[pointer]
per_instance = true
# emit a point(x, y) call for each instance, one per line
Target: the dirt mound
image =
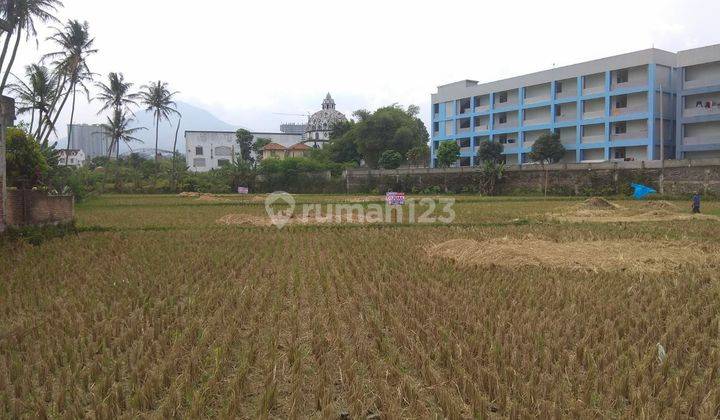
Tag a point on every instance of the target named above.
point(660, 205)
point(617, 255)
point(243, 219)
point(598, 203)
point(212, 198)
point(189, 194)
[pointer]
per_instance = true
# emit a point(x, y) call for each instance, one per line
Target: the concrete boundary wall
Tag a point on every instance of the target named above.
point(680, 177)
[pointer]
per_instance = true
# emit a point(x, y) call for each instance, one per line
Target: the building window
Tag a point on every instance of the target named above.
point(464, 142)
point(619, 153)
point(199, 162)
point(199, 151)
point(464, 123)
point(558, 110)
point(464, 105)
point(436, 108)
point(223, 151)
point(558, 87)
point(223, 162)
point(502, 118)
point(502, 97)
point(621, 102)
point(622, 76)
point(620, 127)
point(436, 127)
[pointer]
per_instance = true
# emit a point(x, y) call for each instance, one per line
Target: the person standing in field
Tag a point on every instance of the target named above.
point(696, 203)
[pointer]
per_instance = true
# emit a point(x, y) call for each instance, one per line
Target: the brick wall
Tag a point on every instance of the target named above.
point(681, 177)
point(28, 207)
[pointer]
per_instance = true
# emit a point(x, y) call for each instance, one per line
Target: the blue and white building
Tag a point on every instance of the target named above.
point(615, 108)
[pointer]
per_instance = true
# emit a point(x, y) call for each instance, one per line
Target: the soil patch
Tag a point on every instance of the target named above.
point(598, 203)
point(212, 198)
point(617, 255)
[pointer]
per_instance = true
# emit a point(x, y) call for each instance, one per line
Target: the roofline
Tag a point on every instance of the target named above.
point(647, 56)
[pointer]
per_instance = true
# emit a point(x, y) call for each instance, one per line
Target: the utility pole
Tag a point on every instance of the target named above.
point(662, 143)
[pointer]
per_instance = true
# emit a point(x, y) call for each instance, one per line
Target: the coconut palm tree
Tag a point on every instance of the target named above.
point(35, 95)
point(159, 100)
point(20, 16)
point(72, 69)
point(118, 129)
point(116, 94)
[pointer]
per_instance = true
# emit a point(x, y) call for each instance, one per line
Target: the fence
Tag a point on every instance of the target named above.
point(30, 207)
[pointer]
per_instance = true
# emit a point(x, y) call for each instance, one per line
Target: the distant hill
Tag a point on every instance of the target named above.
point(193, 118)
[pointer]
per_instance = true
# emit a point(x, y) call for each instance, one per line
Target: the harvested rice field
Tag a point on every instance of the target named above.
point(192, 307)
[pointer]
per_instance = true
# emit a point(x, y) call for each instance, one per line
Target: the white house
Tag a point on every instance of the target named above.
point(76, 157)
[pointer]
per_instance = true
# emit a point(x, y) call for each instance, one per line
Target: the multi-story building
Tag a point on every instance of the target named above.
point(92, 139)
point(612, 108)
point(698, 104)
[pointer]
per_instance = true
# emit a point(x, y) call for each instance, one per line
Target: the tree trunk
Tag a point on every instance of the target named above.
point(546, 179)
point(12, 60)
point(174, 162)
point(157, 126)
point(72, 116)
point(50, 126)
point(48, 114)
point(32, 121)
point(6, 44)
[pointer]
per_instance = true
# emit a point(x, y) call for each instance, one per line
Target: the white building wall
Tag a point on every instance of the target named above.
point(213, 142)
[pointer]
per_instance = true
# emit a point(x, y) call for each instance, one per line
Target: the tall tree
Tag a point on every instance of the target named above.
point(71, 66)
point(159, 100)
point(116, 94)
point(547, 149)
point(118, 128)
point(20, 16)
point(447, 153)
point(35, 95)
point(244, 140)
point(490, 151)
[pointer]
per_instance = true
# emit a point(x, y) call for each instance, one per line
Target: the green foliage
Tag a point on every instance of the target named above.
point(547, 149)
point(490, 151)
point(258, 145)
point(244, 140)
point(27, 163)
point(447, 153)
point(390, 159)
point(418, 155)
point(388, 128)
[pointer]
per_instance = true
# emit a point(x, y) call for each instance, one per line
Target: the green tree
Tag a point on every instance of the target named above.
point(116, 94)
point(118, 129)
point(447, 153)
point(159, 100)
point(71, 65)
point(418, 155)
point(36, 95)
point(342, 147)
point(26, 163)
point(490, 151)
point(547, 149)
point(244, 140)
point(21, 16)
point(390, 159)
point(389, 127)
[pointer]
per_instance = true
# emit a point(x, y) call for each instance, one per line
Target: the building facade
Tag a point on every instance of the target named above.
point(72, 157)
point(278, 151)
point(91, 139)
point(615, 108)
point(207, 150)
point(698, 103)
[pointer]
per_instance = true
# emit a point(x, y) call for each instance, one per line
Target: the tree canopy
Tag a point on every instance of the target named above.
point(390, 159)
point(388, 128)
point(447, 153)
point(547, 149)
point(490, 151)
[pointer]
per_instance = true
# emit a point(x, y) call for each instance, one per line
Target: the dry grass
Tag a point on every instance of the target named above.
point(168, 315)
point(599, 210)
point(618, 255)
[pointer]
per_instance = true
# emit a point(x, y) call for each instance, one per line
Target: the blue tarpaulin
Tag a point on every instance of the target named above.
point(641, 191)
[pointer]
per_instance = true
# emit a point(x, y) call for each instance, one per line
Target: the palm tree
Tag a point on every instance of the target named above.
point(116, 93)
point(20, 16)
point(118, 128)
point(70, 61)
point(35, 95)
point(158, 99)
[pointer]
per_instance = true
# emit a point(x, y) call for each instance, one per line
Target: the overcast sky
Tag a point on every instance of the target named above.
point(244, 61)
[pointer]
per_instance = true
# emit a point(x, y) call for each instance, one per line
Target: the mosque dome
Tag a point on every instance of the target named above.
point(324, 119)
